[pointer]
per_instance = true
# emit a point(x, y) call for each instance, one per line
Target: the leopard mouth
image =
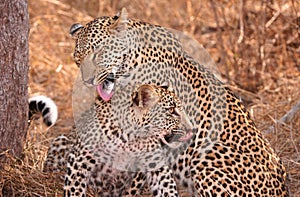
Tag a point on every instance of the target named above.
point(106, 89)
point(174, 140)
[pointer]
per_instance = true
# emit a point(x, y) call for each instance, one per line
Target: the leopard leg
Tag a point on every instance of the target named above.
point(79, 167)
point(137, 185)
point(58, 152)
point(162, 182)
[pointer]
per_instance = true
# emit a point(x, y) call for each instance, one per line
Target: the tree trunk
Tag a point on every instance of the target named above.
point(14, 29)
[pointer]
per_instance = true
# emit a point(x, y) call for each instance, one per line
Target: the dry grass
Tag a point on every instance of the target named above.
point(255, 45)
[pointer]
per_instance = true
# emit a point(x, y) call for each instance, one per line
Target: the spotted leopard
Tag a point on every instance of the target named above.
point(108, 160)
point(228, 156)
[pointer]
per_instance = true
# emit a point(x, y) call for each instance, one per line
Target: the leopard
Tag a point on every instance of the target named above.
point(160, 126)
point(227, 156)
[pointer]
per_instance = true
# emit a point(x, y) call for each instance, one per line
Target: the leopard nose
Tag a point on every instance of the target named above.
point(186, 121)
point(110, 77)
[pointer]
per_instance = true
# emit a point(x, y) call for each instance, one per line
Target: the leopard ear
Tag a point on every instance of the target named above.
point(146, 97)
point(75, 29)
point(121, 23)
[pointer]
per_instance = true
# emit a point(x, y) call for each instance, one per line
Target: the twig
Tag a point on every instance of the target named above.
point(276, 15)
point(241, 37)
point(286, 118)
point(219, 35)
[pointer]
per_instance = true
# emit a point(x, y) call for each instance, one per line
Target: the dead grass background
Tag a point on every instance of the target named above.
point(255, 45)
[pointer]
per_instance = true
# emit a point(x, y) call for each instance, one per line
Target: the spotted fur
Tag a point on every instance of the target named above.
point(228, 155)
point(109, 160)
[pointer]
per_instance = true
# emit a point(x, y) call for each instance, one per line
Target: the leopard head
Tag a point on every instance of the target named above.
point(101, 50)
point(160, 110)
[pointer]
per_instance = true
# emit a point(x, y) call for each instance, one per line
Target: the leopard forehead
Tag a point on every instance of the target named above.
point(89, 36)
point(160, 104)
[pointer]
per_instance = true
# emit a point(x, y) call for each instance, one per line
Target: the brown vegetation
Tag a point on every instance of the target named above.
point(255, 45)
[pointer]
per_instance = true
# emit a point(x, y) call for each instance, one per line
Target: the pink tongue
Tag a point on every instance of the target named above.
point(186, 137)
point(103, 94)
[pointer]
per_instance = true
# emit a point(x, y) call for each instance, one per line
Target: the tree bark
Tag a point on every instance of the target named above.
point(14, 29)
